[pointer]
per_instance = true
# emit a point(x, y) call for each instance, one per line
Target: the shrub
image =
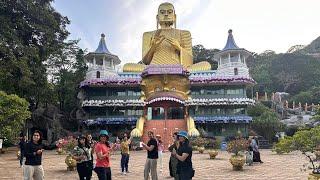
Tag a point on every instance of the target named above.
point(237, 145)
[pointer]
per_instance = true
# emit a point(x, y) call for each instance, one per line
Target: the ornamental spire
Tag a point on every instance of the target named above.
point(102, 48)
point(231, 44)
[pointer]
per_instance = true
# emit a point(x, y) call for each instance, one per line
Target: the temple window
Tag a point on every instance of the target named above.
point(98, 74)
point(234, 57)
point(235, 71)
point(108, 63)
point(175, 113)
point(99, 62)
point(155, 113)
point(122, 93)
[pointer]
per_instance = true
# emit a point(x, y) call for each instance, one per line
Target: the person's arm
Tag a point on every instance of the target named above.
point(183, 157)
point(130, 140)
point(99, 153)
point(171, 147)
point(148, 148)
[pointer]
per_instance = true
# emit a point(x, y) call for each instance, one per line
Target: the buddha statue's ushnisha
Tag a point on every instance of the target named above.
point(167, 45)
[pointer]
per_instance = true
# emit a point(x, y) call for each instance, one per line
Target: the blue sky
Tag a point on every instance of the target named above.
point(257, 25)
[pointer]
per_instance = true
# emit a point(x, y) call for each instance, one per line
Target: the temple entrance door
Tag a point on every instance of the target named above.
point(164, 118)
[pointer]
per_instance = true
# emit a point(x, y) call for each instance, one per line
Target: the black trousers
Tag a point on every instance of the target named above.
point(256, 156)
point(84, 170)
point(124, 162)
point(104, 173)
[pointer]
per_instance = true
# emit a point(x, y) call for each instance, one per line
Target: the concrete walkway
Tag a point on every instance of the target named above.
point(275, 167)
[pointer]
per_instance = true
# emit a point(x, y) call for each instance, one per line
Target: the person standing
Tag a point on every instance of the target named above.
point(173, 160)
point(103, 150)
point(22, 143)
point(184, 155)
point(125, 153)
point(151, 162)
point(160, 151)
point(33, 152)
point(82, 154)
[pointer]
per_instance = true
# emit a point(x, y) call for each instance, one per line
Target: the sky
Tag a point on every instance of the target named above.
point(257, 25)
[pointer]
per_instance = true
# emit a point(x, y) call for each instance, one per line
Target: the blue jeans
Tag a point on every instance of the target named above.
point(124, 162)
point(104, 173)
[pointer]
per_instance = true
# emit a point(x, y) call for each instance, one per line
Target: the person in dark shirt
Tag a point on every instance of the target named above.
point(151, 162)
point(33, 153)
point(22, 144)
point(184, 155)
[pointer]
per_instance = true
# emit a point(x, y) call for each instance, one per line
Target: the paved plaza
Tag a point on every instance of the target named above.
point(275, 167)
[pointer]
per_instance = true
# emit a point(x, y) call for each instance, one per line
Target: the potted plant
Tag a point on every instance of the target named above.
point(200, 143)
point(235, 147)
point(214, 151)
point(68, 146)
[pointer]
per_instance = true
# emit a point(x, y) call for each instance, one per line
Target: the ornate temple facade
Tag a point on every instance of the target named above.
point(166, 92)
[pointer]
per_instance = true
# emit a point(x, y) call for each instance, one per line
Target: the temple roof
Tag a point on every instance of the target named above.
point(102, 48)
point(231, 44)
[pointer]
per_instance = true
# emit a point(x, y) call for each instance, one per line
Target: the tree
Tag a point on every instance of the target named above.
point(265, 122)
point(31, 30)
point(68, 69)
point(202, 54)
point(13, 113)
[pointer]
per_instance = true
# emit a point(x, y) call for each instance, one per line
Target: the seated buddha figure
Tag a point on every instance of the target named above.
point(167, 45)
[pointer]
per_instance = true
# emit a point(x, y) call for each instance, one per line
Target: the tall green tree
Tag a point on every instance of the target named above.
point(30, 31)
point(13, 113)
point(68, 69)
point(265, 122)
point(200, 53)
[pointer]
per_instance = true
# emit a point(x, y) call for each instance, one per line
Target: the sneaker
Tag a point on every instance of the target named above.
point(124, 173)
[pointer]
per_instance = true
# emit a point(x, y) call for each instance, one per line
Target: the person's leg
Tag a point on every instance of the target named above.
point(127, 163)
point(258, 157)
point(27, 172)
point(160, 160)
point(89, 171)
point(153, 168)
point(21, 157)
point(81, 170)
point(101, 172)
point(108, 173)
point(147, 169)
point(38, 173)
point(174, 163)
point(170, 167)
point(122, 162)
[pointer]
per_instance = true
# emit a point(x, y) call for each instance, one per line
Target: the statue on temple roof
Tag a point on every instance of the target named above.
point(167, 45)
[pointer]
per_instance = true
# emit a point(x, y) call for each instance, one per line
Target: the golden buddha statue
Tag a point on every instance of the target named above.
point(167, 45)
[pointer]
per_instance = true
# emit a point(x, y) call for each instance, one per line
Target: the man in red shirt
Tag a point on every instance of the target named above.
point(102, 150)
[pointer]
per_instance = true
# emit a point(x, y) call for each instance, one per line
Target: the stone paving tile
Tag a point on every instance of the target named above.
point(275, 167)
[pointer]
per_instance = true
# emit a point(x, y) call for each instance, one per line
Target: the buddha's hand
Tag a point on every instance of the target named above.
point(156, 41)
point(175, 43)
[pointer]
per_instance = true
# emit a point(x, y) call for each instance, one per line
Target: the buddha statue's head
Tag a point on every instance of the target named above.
point(166, 15)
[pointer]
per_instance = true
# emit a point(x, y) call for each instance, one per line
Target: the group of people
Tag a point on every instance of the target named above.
point(180, 161)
